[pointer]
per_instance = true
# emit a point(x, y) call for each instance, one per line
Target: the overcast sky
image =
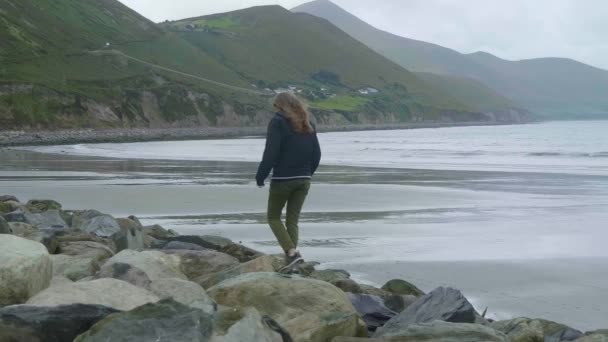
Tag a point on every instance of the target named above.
point(511, 29)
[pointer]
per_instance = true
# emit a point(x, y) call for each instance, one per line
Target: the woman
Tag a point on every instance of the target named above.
point(293, 153)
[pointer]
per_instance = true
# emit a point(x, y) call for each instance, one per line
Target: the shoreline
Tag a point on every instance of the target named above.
point(121, 135)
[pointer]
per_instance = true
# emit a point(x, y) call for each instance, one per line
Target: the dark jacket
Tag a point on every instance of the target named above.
point(288, 154)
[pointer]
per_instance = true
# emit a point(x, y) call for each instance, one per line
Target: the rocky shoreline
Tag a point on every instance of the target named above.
point(87, 276)
point(80, 136)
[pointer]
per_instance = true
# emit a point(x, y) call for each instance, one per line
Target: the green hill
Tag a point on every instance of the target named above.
point(97, 63)
point(550, 87)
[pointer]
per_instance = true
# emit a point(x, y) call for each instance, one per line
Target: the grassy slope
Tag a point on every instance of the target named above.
point(273, 45)
point(44, 42)
point(552, 87)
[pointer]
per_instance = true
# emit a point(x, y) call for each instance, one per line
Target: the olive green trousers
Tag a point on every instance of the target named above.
point(293, 194)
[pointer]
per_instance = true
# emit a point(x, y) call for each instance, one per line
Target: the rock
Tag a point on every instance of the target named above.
point(112, 293)
point(131, 235)
point(125, 272)
point(25, 269)
point(532, 330)
point(155, 264)
point(158, 232)
point(72, 267)
point(347, 285)
point(594, 337)
point(439, 331)
point(166, 321)
point(6, 198)
point(97, 251)
point(20, 229)
point(242, 253)
point(247, 325)
point(49, 324)
point(49, 219)
point(264, 263)
point(4, 227)
point(177, 245)
point(15, 216)
point(399, 303)
point(12, 206)
point(96, 223)
point(402, 287)
point(309, 309)
point(372, 309)
point(206, 241)
point(443, 304)
point(46, 237)
point(374, 291)
point(330, 275)
point(5, 208)
point(39, 206)
point(185, 292)
point(195, 264)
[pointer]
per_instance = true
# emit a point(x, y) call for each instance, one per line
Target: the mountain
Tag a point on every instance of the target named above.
point(97, 63)
point(550, 87)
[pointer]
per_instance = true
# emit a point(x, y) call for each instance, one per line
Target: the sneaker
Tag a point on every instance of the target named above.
point(292, 261)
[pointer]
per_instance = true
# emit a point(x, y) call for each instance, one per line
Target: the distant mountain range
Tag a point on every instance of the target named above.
point(550, 87)
point(97, 63)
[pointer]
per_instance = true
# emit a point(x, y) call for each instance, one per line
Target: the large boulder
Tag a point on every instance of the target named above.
point(73, 267)
point(199, 263)
point(47, 237)
point(39, 206)
point(185, 292)
point(330, 275)
point(4, 227)
point(178, 245)
point(372, 309)
point(166, 321)
point(125, 272)
point(220, 244)
point(155, 264)
point(108, 292)
point(443, 304)
point(49, 324)
point(7, 198)
point(532, 330)
point(309, 309)
point(25, 269)
point(158, 232)
point(439, 331)
point(266, 263)
point(594, 337)
point(402, 287)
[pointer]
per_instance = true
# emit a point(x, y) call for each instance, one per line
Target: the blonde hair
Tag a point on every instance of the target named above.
point(295, 110)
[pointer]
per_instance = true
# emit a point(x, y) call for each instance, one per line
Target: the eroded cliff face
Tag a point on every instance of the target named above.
point(26, 106)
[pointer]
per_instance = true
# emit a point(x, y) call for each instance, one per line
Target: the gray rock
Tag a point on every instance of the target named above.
point(6, 198)
point(112, 293)
point(49, 324)
point(21, 229)
point(399, 303)
point(39, 206)
point(443, 304)
point(207, 241)
point(525, 329)
point(402, 287)
point(177, 245)
point(73, 267)
point(567, 334)
point(166, 321)
point(4, 227)
point(47, 237)
point(595, 336)
point(347, 285)
point(440, 331)
point(155, 264)
point(185, 292)
point(247, 325)
point(125, 272)
point(49, 219)
point(25, 269)
point(131, 235)
point(5, 208)
point(158, 232)
point(16, 216)
point(96, 223)
point(99, 250)
point(242, 253)
point(372, 309)
point(199, 263)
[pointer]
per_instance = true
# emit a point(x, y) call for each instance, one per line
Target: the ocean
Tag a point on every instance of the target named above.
point(514, 216)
